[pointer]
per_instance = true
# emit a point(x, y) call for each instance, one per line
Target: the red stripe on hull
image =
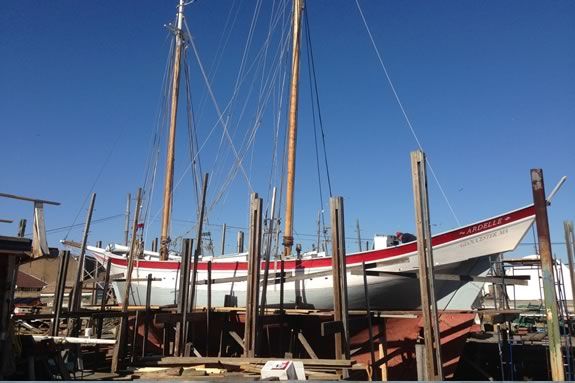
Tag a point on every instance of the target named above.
point(367, 256)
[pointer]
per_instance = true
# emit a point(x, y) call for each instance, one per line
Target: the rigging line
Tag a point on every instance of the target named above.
point(191, 130)
point(161, 122)
point(222, 44)
point(152, 167)
point(408, 121)
point(250, 139)
point(70, 227)
point(213, 97)
point(317, 101)
point(100, 172)
point(306, 33)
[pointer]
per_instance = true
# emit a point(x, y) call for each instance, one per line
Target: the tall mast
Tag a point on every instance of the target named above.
point(169, 181)
point(292, 134)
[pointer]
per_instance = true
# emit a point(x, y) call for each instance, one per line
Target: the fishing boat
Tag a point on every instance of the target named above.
point(308, 282)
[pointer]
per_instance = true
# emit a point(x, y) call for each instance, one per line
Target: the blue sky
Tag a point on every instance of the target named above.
point(489, 87)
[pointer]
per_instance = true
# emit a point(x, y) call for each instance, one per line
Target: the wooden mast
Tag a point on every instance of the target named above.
point(169, 180)
point(292, 134)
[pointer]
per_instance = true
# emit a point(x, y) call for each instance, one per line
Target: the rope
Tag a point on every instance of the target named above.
point(407, 120)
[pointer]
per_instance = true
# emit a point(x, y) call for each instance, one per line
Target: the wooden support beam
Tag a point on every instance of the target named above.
point(306, 345)
point(369, 324)
point(240, 242)
point(238, 339)
point(570, 244)
point(21, 198)
point(223, 239)
point(59, 293)
point(198, 251)
point(183, 297)
point(339, 276)
point(148, 316)
point(123, 328)
point(546, 256)
point(253, 285)
point(433, 365)
point(77, 292)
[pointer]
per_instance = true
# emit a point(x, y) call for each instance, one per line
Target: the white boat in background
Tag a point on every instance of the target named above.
point(462, 251)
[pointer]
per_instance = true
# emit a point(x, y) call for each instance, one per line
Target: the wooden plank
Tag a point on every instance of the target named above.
point(21, 198)
point(306, 345)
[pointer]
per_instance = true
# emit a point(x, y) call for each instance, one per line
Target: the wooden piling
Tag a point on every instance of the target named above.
point(223, 239)
point(183, 295)
point(155, 244)
point(100, 324)
point(545, 253)
point(433, 364)
point(570, 243)
point(240, 242)
point(369, 322)
point(339, 276)
point(198, 251)
point(59, 292)
point(123, 328)
point(148, 316)
point(252, 293)
point(77, 292)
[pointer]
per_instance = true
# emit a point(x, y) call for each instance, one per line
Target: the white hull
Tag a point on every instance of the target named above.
point(462, 251)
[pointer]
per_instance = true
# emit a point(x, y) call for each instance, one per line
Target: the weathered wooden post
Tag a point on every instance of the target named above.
point(432, 336)
point(59, 293)
point(147, 314)
point(570, 243)
point(183, 294)
point(369, 322)
point(240, 240)
point(223, 239)
point(123, 328)
point(78, 285)
point(253, 288)
point(545, 254)
point(198, 251)
point(339, 276)
point(100, 324)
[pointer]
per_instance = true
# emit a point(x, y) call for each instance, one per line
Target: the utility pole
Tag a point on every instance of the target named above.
point(546, 256)
point(223, 239)
point(170, 157)
point(358, 234)
point(127, 223)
